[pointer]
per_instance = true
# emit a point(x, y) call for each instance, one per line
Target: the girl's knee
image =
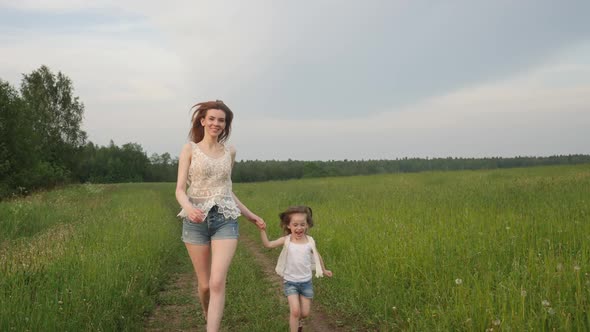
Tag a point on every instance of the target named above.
point(295, 312)
point(304, 313)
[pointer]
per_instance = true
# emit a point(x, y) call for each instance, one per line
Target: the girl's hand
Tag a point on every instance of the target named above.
point(258, 221)
point(196, 215)
point(328, 273)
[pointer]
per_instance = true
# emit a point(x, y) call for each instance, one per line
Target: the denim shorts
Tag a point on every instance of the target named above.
point(214, 227)
point(304, 288)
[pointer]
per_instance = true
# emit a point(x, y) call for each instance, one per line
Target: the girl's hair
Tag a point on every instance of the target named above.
point(197, 131)
point(286, 216)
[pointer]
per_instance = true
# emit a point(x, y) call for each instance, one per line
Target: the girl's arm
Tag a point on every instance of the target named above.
point(271, 244)
point(326, 272)
point(259, 222)
point(184, 162)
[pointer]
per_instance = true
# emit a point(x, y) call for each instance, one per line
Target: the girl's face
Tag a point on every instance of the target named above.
point(298, 225)
point(214, 122)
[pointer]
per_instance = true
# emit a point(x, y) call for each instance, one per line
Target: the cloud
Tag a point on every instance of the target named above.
point(321, 80)
point(525, 115)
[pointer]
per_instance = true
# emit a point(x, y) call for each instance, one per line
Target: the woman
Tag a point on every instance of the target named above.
point(209, 207)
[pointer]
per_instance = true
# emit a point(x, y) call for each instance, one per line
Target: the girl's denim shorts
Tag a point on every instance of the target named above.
point(214, 227)
point(304, 288)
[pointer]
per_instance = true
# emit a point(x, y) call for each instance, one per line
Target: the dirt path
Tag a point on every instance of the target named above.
point(178, 302)
point(318, 321)
point(177, 308)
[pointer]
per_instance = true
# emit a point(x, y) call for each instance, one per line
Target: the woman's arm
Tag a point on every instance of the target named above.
point(243, 209)
point(184, 162)
point(249, 214)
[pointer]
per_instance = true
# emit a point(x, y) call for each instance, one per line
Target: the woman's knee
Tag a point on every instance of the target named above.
point(217, 286)
point(204, 289)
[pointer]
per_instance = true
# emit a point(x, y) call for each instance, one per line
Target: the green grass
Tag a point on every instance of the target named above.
point(99, 257)
point(252, 303)
point(99, 264)
point(448, 251)
point(442, 251)
point(32, 215)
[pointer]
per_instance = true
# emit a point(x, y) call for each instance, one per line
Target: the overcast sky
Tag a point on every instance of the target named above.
point(319, 80)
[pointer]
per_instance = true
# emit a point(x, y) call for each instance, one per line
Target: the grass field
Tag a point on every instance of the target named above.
point(474, 251)
point(94, 258)
point(464, 251)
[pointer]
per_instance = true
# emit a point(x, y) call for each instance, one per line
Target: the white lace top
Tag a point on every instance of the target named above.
point(209, 183)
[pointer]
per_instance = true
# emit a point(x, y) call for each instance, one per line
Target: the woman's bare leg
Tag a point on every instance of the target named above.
point(222, 254)
point(201, 258)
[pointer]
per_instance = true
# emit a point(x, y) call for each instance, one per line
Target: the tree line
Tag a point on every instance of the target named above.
point(42, 145)
point(255, 170)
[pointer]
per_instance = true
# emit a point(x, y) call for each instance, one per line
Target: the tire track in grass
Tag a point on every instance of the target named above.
point(178, 307)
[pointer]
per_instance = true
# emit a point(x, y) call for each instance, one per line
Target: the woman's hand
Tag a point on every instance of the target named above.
point(196, 215)
point(259, 222)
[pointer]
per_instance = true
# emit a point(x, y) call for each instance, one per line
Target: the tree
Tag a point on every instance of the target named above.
point(15, 147)
point(56, 117)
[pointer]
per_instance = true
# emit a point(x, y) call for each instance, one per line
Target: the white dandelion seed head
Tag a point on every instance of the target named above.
point(545, 303)
point(458, 281)
point(496, 322)
point(551, 311)
point(523, 293)
point(576, 268)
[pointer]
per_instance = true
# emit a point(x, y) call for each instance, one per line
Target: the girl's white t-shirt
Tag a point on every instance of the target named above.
point(298, 267)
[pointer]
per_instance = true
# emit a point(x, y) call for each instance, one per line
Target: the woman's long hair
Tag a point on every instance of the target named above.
point(197, 131)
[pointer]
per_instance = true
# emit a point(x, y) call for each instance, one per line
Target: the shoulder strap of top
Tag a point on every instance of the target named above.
point(287, 240)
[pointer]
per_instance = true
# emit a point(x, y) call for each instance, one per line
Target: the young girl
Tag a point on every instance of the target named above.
point(296, 261)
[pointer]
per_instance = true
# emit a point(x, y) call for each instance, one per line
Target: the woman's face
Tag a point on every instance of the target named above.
point(214, 122)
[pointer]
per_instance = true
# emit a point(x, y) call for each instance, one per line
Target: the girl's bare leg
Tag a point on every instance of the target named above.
point(305, 306)
point(295, 312)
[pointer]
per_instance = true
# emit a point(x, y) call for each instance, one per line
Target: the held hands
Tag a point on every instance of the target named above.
point(259, 222)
